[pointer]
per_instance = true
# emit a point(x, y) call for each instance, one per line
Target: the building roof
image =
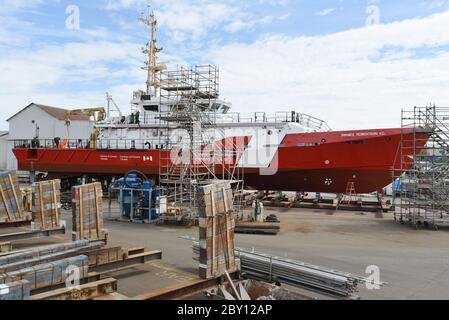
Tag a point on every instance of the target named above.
point(58, 113)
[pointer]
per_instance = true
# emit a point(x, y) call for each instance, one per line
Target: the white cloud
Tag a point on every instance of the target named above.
point(52, 74)
point(325, 12)
point(247, 24)
point(353, 79)
point(194, 19)
point(184, 18)
point(13, 5)
point(435, 4)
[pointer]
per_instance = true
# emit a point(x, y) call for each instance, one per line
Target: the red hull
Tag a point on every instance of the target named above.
point(314, 162)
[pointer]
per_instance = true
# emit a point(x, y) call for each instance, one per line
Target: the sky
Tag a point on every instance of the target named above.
point(353, 63)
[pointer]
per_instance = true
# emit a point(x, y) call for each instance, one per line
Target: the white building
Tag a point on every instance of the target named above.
point(3, 148)
point(45, 122)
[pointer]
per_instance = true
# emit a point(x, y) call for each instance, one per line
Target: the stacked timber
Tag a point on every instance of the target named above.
point(107, 255)
point(87, 215)
point(5, 247)
point(29, 260)
point(41, 251)
point(46, 204)
point(11, 208)
point(19, 290)
point(217, 224)
point(50, 274)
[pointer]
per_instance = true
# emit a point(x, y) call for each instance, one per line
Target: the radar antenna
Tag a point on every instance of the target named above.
point(151, 50)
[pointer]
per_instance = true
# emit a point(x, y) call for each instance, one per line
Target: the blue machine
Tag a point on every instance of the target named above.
point(137, 198)
point(397, 185)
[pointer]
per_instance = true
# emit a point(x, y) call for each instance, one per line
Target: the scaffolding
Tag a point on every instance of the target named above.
point(424, 176)
point(192, 148)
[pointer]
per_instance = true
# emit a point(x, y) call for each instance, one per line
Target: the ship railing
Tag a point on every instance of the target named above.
point(279, 117)
point(130, 144)
point(51, 143)
point(306, 120)
point(100, 144)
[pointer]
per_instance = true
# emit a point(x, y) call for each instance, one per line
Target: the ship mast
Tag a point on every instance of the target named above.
point(151, 51)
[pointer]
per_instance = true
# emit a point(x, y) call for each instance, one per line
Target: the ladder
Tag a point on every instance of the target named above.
point(350, 193)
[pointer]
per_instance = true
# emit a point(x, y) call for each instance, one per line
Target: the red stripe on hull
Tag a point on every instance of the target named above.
point(315, 162)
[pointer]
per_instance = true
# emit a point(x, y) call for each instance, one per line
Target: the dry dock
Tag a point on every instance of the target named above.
point(414, 264)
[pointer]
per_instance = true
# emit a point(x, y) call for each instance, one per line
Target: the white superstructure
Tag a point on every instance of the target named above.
point(145, 126)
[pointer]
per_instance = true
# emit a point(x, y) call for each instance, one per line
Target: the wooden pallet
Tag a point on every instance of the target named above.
point(87, 215)
point(11, 208)
point(46, 204)
point(216, 228)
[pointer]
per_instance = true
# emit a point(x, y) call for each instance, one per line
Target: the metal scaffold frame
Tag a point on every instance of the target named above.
point(188, 116)
point(424, 187)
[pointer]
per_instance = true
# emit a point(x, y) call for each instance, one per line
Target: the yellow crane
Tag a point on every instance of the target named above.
point(99, 114)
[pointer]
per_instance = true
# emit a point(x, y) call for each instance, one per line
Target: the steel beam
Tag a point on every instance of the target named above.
point(96, 272)
point(32, 234)
point(15, 224)
point(182, 291)
point(87, 291)
point(129, 262)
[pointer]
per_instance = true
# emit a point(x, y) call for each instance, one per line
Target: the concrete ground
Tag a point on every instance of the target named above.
point(415, 264)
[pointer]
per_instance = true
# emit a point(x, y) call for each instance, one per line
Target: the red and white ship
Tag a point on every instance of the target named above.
point(305, 154)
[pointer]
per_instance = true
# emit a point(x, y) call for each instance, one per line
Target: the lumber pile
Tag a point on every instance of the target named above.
point(5, 247)
point(46, 204)
point(87, 218)
point(33, 273)
point(41, 251)
point(217, 224)
point(45, 275)
point(31, 259)
point(18, 290)
point(11, 208)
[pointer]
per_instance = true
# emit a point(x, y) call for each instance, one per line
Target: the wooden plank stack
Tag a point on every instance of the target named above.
point(217, 224)
point(29, 262)
point(87, 206)
point(107, 255)
point(5, 247)
point(46, 204)
point(45, 275)
point(41, 251)
point(19, 290)
point(11, 208)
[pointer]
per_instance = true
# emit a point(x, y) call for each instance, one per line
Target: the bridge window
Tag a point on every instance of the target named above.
point(154, 108)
